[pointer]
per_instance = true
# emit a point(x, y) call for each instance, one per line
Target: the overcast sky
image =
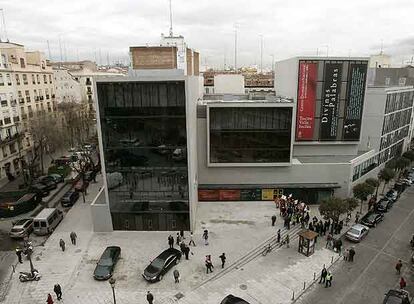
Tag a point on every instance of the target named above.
point(289, 27)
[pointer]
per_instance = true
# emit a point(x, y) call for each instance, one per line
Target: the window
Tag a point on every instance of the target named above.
point(4, 60)
point(22, 63)
point(20, 97)
point(17, 79)
point(4, 150)
point(3, 100)
point(41, 94)
point(36, 97)
point(402, 81)
point(47, 93)
point(7, 120)
point(8, 78)
point(33, 79)
point(50, 78)
point(38, 79)
point(1, 80)
point(27, 93)
point(25, 79)
point(45, 79)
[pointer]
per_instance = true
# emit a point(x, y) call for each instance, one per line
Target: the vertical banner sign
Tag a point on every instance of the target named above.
point(354, 101)
point(306, 100)
point(330, 101)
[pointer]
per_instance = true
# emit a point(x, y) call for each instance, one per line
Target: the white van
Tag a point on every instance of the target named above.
point(46, 221)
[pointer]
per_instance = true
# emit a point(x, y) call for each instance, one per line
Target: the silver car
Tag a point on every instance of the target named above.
point(357, 232)
point(21, 228)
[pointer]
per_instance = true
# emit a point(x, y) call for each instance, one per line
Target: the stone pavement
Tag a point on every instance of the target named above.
point(235, 228)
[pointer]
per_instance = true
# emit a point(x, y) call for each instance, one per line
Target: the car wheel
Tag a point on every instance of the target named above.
point(177, 261)
point(160, 277)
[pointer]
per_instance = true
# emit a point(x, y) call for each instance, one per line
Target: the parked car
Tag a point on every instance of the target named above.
point(371, 219)
point(46, 221)
point(69, 198)
point(47, 181)
point(106, 264)
point(39, 188)
point(21, 228)
point(406, 181)
point(394, 296)
point(161, 264)
point(391, 194)
point(230, 299)
point(357, 232)
point(383, 205)
point(57, 178)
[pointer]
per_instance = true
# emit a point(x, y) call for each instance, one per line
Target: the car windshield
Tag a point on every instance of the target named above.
point(371, 217)
point(16, 230)
point(158, 263)
point(105, 262)
point(353, 231)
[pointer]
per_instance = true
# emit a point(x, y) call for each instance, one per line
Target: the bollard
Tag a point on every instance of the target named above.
point(332, 260)
point(304, 285)
point(293, 295)
point(314, 276)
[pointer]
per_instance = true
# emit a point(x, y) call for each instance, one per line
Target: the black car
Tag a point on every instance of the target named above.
point(48, 182)
point(383, 205)
point(161, 264)
point(394, 296)
point(230, 299)
point(70, 198)
point(371, 219)
point(40, 189)
point(106, 264)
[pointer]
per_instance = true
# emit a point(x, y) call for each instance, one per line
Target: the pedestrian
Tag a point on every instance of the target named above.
point(73, 237)
point(351, 254)
point(205, 237)
point(288, 222)
point(278, 235)
point(273, 219)
point(209, 264)
point(182, 234)
point(191, 240)
point(171, 241)
point(223, 259)
point(287, 240)
point(150, 297)
point(329, 241)
point(176, 276)
point(328, 280)
point(346, 255)
point(58, 291)
point(182, 247)
point(49, 299)
point(178, 239)
point(186, 251)
point(62, 244)
point(357, 217)
point(339, 246)
point(403, 283)
point(398, 266)
point(324, 272)
point(19, 255)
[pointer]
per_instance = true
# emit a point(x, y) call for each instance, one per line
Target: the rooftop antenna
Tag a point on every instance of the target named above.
point(382, 46)
point(171, 27)
point(64, 49)
point(48, 48)
point(4, 25)
point(261, 53)
point(107, 58)
point(60, 47)
point(235, 46)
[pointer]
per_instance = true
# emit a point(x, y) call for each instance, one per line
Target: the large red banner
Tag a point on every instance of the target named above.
point(306, 100)
point(229, 195)
point(208, 195)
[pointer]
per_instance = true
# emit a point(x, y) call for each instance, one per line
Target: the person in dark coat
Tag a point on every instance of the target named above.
point(186, 251)
point(323, 275)
point(278, 235)
point(73, 237)
point(182, 234)
point(19, 255)
point(62, 244)
point(58, 291)
point(351, 254)
point(150, 298)
point(273, 219)
point(171, 241)
point(176, 276)
point(223, 259)
point(182, 247)
point(209, 264)
point(178, 239)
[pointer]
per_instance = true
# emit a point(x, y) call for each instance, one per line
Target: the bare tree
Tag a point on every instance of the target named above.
point(83, 165)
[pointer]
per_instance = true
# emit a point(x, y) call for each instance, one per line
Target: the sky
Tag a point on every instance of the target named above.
point(101, 29)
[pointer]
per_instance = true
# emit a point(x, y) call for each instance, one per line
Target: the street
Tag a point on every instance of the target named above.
point(373, 273)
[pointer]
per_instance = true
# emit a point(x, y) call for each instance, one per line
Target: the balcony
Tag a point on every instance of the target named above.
point(31, 114)
point(47, 96)
point(36, 98)
point(24, 116)
point(27, 98)
point(88, 82)
point(53, 95)
point(21, 100)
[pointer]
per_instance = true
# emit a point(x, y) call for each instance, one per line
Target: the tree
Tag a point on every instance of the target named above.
point(350, 203)
point(332, 208)
point(386, 175)
point(402, 163)
point(374, 182)
point(409, 155)
point(362, 190)
point(391, 164)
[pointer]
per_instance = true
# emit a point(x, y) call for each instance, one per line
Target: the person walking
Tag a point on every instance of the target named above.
point(205, 237)
point(398, 266)
point(171, 241)
point(191, 240)
point(176, 276)
point(287, 240)
point(346, 255)
point(403, 283)
point(351, 254)
point(182, 247)
point(58, 291)
point(178, 239)
point(328, 280)
point(182, 234)
point(62, 244)
point(73, 237)
point(150, 297)
point(186, 251)
point(324, 272)
point(278, 235)
point(19, 255)
point(49, 299)
point(209, 264)
point(273, 219)
point(223, 259)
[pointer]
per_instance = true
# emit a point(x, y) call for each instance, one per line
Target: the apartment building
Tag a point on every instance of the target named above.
point(26, 87)
point(67, 88)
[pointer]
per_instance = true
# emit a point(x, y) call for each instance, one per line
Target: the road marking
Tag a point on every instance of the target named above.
point(376, 256)
point(384, 253)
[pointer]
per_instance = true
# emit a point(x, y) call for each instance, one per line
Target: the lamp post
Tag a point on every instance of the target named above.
point(112, 282)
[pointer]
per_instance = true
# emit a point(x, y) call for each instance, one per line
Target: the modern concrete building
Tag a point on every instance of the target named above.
point(147, 128)
point(26, 87)
point(391, 77)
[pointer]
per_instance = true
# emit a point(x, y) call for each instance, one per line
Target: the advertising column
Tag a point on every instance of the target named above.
point(330, 101)
point(306, 100)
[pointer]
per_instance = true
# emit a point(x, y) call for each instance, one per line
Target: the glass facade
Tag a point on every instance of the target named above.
point(250, 134)
point(145, 151)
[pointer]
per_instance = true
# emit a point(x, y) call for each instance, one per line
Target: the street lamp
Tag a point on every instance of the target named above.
point(112, 282)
